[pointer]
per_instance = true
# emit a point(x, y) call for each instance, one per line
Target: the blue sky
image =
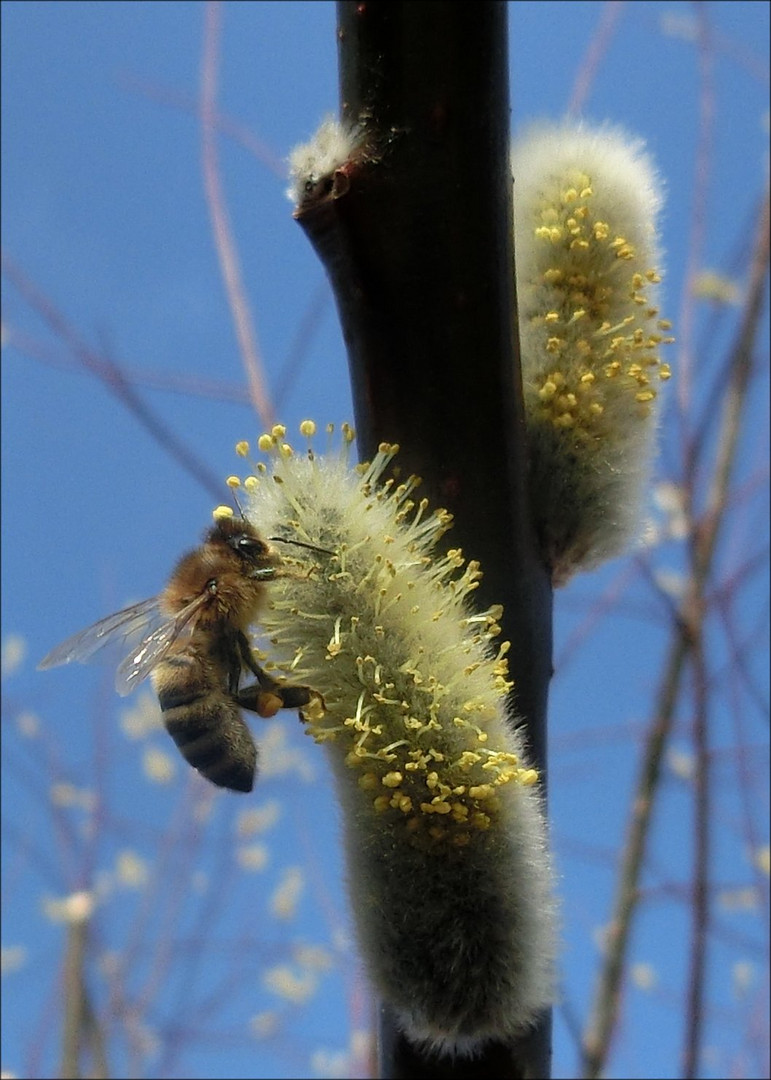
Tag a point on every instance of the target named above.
point(103, 208)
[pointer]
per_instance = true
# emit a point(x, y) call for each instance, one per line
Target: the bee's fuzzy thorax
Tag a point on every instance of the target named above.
point(446, 842)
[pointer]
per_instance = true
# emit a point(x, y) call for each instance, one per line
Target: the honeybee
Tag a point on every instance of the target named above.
point(195, 650)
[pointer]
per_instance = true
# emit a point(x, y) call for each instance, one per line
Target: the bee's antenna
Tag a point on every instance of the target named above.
point(299, 543)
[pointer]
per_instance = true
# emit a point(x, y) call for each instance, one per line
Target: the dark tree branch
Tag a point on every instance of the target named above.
point(416, 236)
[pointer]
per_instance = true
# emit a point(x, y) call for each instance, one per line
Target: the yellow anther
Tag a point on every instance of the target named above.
point(547, 391)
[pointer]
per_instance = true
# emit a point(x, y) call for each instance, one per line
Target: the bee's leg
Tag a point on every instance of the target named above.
point(235, 667)
point(247, 657)
point(267, 700)
point(267, 696)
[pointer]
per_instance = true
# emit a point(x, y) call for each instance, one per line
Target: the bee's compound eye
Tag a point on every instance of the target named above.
point(249, 545)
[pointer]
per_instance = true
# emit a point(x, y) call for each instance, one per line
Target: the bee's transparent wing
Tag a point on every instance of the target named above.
point(152, 649)
point(146, 618)
point(123, 624)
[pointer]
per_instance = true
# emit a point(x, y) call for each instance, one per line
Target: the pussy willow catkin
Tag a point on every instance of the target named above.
point(588, 266)
point(448, 866)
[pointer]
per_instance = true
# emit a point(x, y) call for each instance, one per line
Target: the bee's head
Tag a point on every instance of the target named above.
point(237, 535)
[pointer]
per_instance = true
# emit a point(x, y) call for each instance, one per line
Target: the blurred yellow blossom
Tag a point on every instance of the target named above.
point(12, 958)
point(158, 766)
point(259, 819)
point(288, 984)
point(283, 902)
point(252, 856)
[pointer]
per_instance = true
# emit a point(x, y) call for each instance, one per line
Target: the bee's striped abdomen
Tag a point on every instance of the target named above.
point(205, 723)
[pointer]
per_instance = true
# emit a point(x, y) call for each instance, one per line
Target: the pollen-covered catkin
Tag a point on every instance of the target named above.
point(586, 202)
point(448, 865)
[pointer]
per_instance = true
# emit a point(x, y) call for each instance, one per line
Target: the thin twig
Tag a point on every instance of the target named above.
point(705, 539)
point(297, 354)
point(698, 231)
point(170, 381)
point(74, 1000)
point(700, 900)
point(704, 535)
point(223, 236)
point(229, 126)
point(598, 47)
point(599, 1030)
point(113, 378)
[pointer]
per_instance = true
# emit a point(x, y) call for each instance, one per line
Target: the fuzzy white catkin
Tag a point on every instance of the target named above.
point(586, 203)
point(313, 162)
point(447, 859)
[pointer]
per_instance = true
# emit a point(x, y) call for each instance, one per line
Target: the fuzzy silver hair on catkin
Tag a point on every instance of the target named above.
point(588, 267)
point(448, 865)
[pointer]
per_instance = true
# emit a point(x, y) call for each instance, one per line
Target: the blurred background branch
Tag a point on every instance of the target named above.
point(686, 651)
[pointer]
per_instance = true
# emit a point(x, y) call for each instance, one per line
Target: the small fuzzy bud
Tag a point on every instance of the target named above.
point(312, 165)
point(586, 200)
point(448, 865)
